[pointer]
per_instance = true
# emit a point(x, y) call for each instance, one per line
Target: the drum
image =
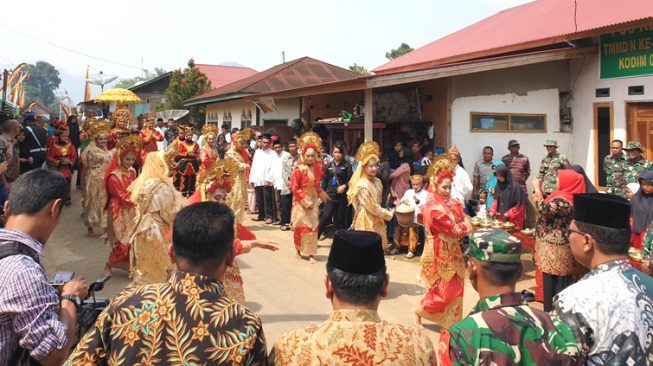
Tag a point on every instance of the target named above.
point(405, 215)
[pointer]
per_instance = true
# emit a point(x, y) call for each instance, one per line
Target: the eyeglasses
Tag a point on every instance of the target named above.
point(582, 233)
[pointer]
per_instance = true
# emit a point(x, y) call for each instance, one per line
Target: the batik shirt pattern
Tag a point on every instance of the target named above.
point(354, 338)
point(610, 311)
point(614, 170)
point(502, 330)
point(187, 321)
point(548, 173)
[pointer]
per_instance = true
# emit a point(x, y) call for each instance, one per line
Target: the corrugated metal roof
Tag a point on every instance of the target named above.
point(221, 75)
point(522, 25)
point(293, 74)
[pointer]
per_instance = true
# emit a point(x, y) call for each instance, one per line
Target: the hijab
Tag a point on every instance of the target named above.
point(491, 184)
point(589, 187)
point(569, 184)
point(642, 205)
point(509, 194)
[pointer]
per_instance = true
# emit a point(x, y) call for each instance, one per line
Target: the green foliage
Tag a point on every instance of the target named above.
point(41, 83)
point(185, 84)
point(127, 83)
point(399, 51)
point(361, 70)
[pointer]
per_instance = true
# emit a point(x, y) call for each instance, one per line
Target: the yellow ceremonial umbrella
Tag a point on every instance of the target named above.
point(118, 95)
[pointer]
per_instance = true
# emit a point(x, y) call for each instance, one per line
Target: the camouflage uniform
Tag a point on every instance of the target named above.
point(502, 329)
point(633, 169)
point(614, 170)
point(548, 174)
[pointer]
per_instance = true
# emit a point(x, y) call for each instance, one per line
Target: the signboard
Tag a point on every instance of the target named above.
point(627, 53)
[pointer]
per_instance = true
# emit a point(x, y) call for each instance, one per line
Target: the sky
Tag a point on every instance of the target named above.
point(117, 37)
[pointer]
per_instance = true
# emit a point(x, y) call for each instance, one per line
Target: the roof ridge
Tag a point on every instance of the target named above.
point(239, 67)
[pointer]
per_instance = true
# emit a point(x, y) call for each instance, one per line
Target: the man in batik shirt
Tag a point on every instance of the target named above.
point(188, 320)
point(613, 167)
point(547, 178)
point(354, 334)
point(610, 309)
point(636, 163)
point(502, 329)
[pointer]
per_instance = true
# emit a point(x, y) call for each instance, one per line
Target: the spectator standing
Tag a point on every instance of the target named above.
point(613, 165)
point(73, 128)
point(483, 170)
point(262, 178)
point(171, 132)
point(35, 141)
point(335, 180)
point(462, 185)
point(288, 164)
point(636, 163)
point(547, 178)
point(281, 186)
point(518, 163)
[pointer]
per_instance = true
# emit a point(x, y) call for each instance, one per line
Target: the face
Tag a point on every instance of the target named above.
point(514, 149)
point(551, 149)
point(159, 123)
point(417, 186)
point(646, 186)
point(102, 141)
point(309, 157)
point(189, 137)
point(182, 136)
point(219, 195)
point(430, 155)
point(171, 124)
point(487, 154)
point(455, 159)
point(150, 124)
point(64, 137)
point(501, 179)
point(20, 137)
point(616, 148)
point(265, 144)
point(128, 160)
point(243, 144)
point(210, 140)
point(337, 154)
point(397, 147)
point(577, 242)
point(444, 188)
point(415, 148)
point(372, 168)
point(634, 154)
point(482, 197)
point(278, 148)
point(292, 148)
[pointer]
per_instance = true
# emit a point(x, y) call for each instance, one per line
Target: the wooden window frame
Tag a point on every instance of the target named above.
point(509, 115)
point(595, 136)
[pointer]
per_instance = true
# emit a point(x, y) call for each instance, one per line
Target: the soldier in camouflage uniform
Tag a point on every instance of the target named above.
point(502, 329)
point(547, 179)
point(613, 166)
point(636, 163)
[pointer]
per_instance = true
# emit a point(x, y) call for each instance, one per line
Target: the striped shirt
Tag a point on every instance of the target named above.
point(520, 168)
point(29, 306)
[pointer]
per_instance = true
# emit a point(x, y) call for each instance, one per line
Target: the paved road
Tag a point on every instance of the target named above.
point(288, 293)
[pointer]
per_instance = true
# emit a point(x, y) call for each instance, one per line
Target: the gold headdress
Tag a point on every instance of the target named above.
point(441, 168)
point(244, 135)
point(121, 117)
point(96, 127)
point(209, 129)
point(150, 116)
point(368, 150)
point(309, 140)
point(186, 129)
point(130, 143)
point(221, 174)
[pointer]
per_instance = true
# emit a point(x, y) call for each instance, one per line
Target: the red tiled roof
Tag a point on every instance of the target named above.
point(522, 27)
point(222, 75)
point(293, 74)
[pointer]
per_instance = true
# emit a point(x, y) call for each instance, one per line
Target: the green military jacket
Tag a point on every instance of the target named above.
point(615, 179)
point(632, 170)
point(548, 173)
point(502, 330)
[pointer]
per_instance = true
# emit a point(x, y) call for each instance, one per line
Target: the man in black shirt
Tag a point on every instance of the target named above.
point(35, 139)
point(334, 182)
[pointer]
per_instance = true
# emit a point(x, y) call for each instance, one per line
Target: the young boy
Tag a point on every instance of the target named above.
point(416, 197)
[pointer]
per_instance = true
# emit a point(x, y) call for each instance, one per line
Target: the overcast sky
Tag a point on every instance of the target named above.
point(167, 33)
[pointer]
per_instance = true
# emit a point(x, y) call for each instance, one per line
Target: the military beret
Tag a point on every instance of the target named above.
point(494, 245)
point(358, 252)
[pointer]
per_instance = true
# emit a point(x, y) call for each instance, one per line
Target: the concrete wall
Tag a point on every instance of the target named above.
point(236, 108)
point(286, 109)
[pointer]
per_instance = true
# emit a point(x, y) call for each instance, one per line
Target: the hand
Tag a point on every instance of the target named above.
point(3, 167)
point(265, 244)
point(77, 286)
point(30, 160)
point(341, 189)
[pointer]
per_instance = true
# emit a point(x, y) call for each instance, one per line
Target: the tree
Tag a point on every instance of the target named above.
point(185, 84)
point(41, 83)
point(361, 70)
point(126, 83)
point(399, 51)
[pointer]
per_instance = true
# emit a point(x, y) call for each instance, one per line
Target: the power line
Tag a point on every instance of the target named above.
point(66, 48)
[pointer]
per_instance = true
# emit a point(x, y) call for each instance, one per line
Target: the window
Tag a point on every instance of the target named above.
point(507, 122)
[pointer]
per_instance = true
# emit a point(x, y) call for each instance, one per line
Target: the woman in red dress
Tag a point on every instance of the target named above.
point(62, 155)
point(150, 136)
point(120, 174)
point(186, 162)
point(208, 153)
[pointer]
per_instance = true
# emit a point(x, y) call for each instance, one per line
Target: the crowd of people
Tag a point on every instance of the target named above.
point(173, 207)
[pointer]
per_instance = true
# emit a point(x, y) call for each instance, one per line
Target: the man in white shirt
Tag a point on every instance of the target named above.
point(163, 144)
point(462, 184)
point(281, 186)
point(261, 177)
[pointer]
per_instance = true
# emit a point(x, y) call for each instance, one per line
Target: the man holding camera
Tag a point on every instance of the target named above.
point(35, 321)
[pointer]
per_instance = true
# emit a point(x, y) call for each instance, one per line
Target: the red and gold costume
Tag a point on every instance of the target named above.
point(238, 199)
point(150, 137)
point(95, 160)
point(208, 153)
point(187, 164)
point(306, 189)
point(121, 211)
point(62, 156)
point(120, 119)
point(443, 268)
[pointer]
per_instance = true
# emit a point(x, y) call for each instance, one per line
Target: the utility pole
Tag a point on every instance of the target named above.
point(283, 57)
point(5, 76)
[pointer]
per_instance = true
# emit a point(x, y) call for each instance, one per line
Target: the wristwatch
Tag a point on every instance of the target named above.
point(72, 298)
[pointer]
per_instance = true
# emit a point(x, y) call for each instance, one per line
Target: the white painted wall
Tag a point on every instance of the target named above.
point(582, 104)
point(236, 108)
point(470, 144)
point(286, 109)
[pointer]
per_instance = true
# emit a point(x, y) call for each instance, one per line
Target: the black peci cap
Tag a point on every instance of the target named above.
point(602, 210)
point(358, 252)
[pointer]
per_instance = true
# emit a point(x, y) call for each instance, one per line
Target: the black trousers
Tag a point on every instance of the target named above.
point(552, 285)
point(285, 206)
point(335, 211)
point(268, 198)
point(260, 202)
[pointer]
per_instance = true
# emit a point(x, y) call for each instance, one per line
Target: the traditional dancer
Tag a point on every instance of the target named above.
point(62, 155)
point(150, 136)
point(157, 202)
point(95, 159)
point(216, 184)
point(120, 119)
point(306, 189)
point(208, 153)
point(186, 161)
point(443, 268)
point(120, 174)
point(365, 191)
point(237, 200)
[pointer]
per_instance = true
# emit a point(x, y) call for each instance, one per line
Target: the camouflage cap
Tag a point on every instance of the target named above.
point(494, 245)
point(633, 145)
point(551, 142)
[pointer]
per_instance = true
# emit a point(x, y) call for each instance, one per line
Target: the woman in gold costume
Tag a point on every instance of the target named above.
point(216, 184)
point(365, 191)
point(306, 189)
point(237, 200)
point(443, 268)
point(157, 202)
point(208, 152)
point(95, 159)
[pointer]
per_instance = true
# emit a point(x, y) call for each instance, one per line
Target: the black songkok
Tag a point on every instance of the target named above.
point(602, 209)
point(358, 252)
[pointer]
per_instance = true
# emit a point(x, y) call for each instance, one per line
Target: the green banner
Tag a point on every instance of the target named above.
point(627, 53)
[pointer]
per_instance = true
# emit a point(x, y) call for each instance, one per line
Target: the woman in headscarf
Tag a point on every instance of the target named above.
point(443, 268)
point(641, 208)
point(119, 176)
point(553, 255)
point(95, 159)
point(365, 191)
point(509, 202)
point(306, 189)
point(157, 202)
point(491, 184)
